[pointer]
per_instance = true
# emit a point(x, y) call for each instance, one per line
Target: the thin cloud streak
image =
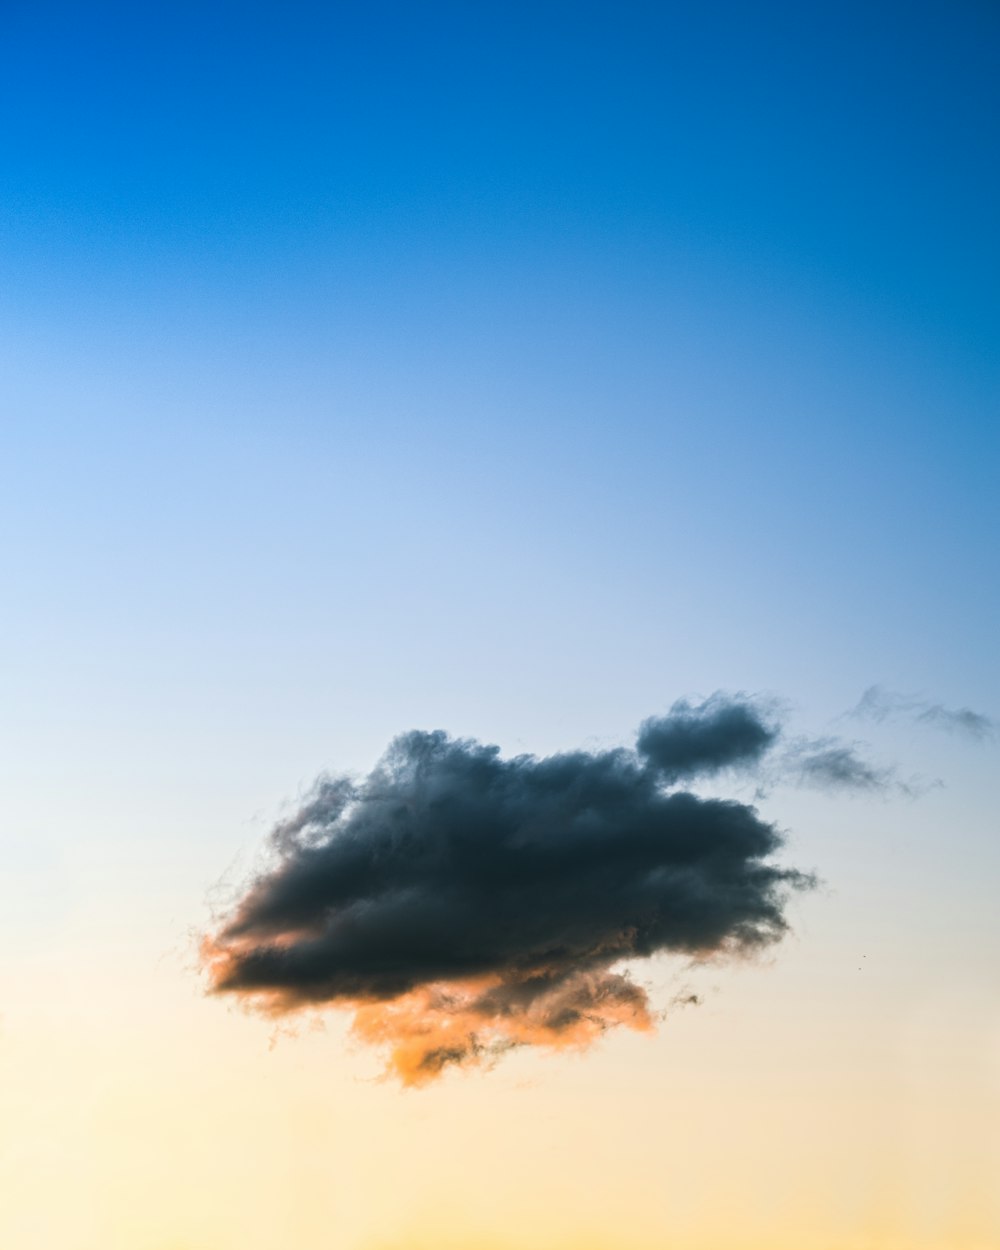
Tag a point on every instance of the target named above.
point(879, 705)
point(834, 766)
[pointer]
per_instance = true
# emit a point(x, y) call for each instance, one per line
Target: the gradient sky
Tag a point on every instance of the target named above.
point(513, 370)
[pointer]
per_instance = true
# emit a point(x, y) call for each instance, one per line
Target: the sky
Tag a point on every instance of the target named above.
point(516, 372)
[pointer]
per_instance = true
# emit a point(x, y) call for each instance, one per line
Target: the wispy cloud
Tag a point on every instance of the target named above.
point(834, 765)
point(878, 705)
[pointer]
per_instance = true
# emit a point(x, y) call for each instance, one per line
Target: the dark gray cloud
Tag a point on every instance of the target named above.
point(460, 903)
point(878, 704)
point(703, 739)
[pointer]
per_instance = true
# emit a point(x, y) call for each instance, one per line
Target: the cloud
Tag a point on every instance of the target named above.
point(831, 764)
point(459, 904)
point(723, 732)
point(878, 704)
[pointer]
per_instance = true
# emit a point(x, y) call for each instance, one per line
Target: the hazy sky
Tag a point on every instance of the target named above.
point(515, 371)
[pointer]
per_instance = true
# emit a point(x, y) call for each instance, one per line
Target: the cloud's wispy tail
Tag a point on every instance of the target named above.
point(878, 704)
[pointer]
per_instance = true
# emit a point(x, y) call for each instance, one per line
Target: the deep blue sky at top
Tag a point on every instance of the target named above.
point(585, 331)
point(847, 144)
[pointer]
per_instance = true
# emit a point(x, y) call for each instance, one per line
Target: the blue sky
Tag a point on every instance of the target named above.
point(537, 352)
point(839, 147)
point(510, 346)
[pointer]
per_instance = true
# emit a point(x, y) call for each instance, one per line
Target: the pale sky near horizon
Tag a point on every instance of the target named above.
point(513, 371)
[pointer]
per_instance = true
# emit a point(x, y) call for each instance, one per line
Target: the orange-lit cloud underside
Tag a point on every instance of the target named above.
point(471, 1022)
point(436, 1025)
